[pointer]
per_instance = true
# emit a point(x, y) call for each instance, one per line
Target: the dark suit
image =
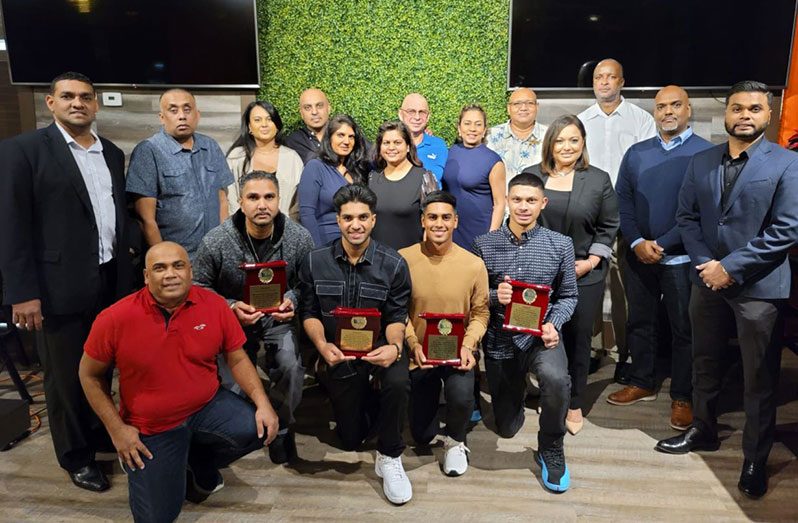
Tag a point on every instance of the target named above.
point(50, 252)
point(750, 235)
point(591, 221)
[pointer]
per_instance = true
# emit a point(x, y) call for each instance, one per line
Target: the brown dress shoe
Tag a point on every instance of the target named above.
point(631, 394)
point(681, 415)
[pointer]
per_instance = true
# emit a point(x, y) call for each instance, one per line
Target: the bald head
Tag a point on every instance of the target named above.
point(314, 107)
point(608, 81)
point(672, 111)
point(414, 113)
point(167, 274)
point(522, 108)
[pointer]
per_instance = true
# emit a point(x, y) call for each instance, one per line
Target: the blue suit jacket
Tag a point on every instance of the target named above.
point(752, 233)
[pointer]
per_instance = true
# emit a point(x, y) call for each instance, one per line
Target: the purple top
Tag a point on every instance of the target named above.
point(466, 176)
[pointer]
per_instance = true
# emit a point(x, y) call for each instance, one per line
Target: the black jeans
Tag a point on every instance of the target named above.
point(758, 325)
point(507, 385)
point(425, 389)
point(645, 285)
point(576, 335)
point(358, 407)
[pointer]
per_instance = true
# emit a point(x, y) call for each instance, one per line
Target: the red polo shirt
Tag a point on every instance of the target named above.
point(167, 369)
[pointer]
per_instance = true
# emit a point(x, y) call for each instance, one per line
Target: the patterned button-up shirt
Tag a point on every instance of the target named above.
point(540, 256)
point(516, 154)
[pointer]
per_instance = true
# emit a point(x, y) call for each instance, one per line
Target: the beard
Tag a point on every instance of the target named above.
point(746, 136)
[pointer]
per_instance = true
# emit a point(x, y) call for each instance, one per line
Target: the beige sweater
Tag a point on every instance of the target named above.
point(456, 283)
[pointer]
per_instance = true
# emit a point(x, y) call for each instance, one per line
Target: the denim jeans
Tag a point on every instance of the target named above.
point(645, 286)
point(425, 390)
point(212, 438)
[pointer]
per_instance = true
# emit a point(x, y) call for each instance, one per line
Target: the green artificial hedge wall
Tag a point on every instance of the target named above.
point(366, 55)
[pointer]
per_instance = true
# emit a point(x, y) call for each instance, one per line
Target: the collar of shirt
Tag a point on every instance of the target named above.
point(175, 147)
point(525, 236)
point(149, 299)
point(96, 146)
point(745, 155)
point(339, 253)
point(677, 140)
point(310, 134)
point(534, 136)
point(595, 111)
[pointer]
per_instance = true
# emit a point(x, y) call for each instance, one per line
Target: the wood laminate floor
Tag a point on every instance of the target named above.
point(616, 474)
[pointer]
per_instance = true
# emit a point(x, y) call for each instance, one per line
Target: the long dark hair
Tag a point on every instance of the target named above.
point(245, 139)
point(554, 130)
point(394, 125)
point(356, 162)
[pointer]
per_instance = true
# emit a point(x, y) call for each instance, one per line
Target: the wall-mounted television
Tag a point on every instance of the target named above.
point(147, 43)
point(702, 44)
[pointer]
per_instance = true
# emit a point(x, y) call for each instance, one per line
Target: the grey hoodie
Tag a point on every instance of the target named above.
point(225, 247)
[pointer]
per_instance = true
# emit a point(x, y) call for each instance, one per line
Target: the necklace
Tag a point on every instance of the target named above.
point(252, 245)
point(558, 174)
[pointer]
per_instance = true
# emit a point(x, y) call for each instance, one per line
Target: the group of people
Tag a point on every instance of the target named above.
point(411, 229)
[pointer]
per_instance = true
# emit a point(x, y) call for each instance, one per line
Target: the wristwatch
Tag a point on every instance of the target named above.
point(398, 351)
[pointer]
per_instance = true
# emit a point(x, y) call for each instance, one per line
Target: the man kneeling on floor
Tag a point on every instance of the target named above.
point(174, 421)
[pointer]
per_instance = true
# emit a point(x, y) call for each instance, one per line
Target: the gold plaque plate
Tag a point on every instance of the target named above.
point(442, 348)
point(265, 296)
point(356, 340)
point(526, 316)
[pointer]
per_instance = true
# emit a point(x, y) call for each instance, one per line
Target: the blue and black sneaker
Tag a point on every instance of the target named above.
point(554, 471)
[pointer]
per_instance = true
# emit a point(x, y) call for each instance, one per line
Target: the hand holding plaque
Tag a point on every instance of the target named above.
point(356, 330)
point(443, 338)
point(265, 285)
point(527, 308)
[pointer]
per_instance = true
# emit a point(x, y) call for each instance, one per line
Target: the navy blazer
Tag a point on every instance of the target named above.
point(49, 247)
point(752, 234)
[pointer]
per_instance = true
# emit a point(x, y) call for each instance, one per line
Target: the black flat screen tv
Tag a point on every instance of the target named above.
point(153, 43)
point(703, 44)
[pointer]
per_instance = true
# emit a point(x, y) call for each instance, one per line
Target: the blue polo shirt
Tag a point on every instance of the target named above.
point(184, 182)
point(433, 151)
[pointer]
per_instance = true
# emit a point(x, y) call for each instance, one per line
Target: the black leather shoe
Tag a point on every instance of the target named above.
point(753, 479)
point(91, 478)
point(693, 439)
point(622, 373)
point(283, 448)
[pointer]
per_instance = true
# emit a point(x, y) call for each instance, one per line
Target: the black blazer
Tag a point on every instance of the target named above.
point(592, 216)
point(49, 245)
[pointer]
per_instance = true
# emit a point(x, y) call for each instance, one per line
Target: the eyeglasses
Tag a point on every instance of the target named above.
point(412, 113)
point(523, 103)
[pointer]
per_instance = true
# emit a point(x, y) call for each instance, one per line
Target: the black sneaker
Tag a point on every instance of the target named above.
point(283, 448)
point(198, 490)
point(554, 471)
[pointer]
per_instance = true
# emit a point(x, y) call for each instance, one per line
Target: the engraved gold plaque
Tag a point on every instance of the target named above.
point(264, 296)
point(526, 316)
point(442, 347)
point(357, 340)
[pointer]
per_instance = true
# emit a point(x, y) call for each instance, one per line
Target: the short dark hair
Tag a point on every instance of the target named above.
point(554, 130)
point(354, 192)
point(257, 175)
point(71, 75)
point(749, 86)
point(395, 125)
point(439, 197)
point(529, 179)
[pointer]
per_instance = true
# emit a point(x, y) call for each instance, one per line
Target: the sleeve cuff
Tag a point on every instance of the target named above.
point(600, 250)
point(636, 243)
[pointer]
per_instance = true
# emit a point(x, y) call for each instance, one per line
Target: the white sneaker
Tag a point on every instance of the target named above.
point(395, 483)
point(455, 460)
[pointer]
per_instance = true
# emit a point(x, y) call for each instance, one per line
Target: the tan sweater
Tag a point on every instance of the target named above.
point(456, 283)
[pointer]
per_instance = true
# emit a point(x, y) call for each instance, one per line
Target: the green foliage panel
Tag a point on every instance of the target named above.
point(366, 55)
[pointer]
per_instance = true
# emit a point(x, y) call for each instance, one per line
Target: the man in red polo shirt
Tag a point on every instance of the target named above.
point(175, 427)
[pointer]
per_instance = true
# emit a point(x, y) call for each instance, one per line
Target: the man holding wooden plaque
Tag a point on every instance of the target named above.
point(448, 317)
point(252, 260)
point(353, 294)
point(523, 258)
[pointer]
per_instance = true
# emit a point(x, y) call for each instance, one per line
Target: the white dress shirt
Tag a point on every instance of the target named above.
point(97, 178)
point(610, 135)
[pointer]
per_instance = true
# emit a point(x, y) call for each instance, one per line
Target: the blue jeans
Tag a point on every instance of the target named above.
point(212, 438)
point(645, 284)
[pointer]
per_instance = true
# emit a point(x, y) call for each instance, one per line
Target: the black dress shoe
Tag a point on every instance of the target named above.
point(90, 477)
point(283, 448)
point(622, 373)
point(753, 479)
point(693, 439)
